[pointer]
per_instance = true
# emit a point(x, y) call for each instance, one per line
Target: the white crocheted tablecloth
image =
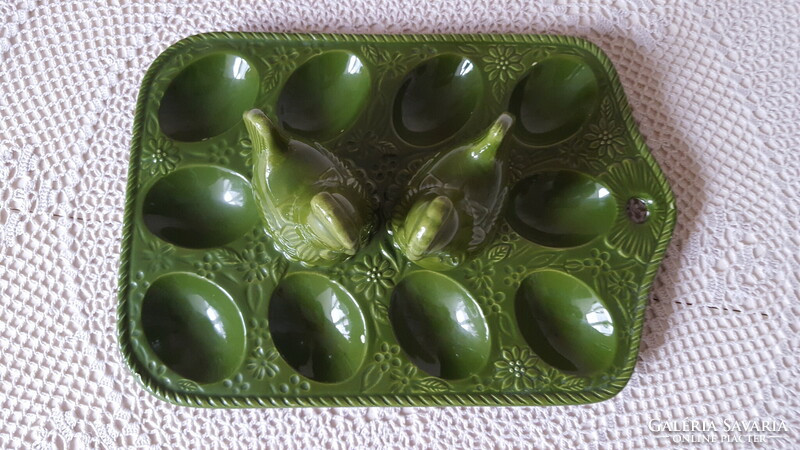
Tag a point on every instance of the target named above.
point(713, 84)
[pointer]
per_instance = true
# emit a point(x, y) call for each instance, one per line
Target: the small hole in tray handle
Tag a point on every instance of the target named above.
point(637, 210)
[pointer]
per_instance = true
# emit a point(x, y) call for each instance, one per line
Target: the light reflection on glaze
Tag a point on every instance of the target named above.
point(200, 207)
point(439, 325)
point(565, 322)
point(193, 326)
point(317, 327)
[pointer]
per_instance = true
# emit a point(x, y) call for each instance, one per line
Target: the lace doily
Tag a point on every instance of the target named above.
point(715, 89)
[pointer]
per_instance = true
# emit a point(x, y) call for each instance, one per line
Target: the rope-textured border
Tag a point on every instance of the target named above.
point(460, 399)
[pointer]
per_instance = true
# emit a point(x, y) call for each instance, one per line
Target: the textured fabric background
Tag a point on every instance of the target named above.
point(713, 84)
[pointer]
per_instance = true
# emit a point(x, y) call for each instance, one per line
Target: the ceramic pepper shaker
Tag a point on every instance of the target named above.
point(452, 202)
point(314, 209)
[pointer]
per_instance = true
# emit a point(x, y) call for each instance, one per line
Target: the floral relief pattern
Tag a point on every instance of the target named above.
point(516, 369)
point(375, 275)
point(261, 363)
point(368, 143)
point(296, 386)
point(596, 262)
point(236, 385)
point(634, 179)
point(221, 153)
point(207, 266)
point(480, 275)
point(621, 284)
point(502, 64)
point(492, 277)
point(606, 138)
point(279, 63)
point(159, 156)
point(514, 275)
point(157, 254)
point(491, 302)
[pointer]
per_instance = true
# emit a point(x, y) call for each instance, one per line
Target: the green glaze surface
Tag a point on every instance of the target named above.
point(313, 207)
point(439, 325)
point(400, 220)
point(565, 322)
point(560, 208)
point(555, 99)
point(208, 97)
point(200, 207)
point(194, 327)
point(324, 96)
point(317, 327)
point(451, 205)
point(436, 99)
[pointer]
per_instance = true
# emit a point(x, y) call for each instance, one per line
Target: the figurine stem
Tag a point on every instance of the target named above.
point(485, 149)
point(262, 134)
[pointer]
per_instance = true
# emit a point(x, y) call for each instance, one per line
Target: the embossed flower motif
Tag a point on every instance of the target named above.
point(606, 138)
point(621, 283)
point(207, 266)
point(597, 261)
point(384, 169)
point(635, 179)
point(502, 64)
point(259, 330)
point(256, 240)
point(296, 385)
point(514, 275)
point(157, 255)
point(237, 385)
point(159, 156)
point(491, 301)
point(254, 264)
point(369, 143)
point(221, 154)
point(246, 151)
point(479, 275)
point(506, 233)
point(403, 379)
point(261, 363)
point(374, 275)
point(391, 63)
point(572, 153)
point(387, 358)
point(517, 369)
point(283, 57)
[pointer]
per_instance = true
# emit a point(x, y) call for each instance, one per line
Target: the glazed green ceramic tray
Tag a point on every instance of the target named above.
point(413, 220)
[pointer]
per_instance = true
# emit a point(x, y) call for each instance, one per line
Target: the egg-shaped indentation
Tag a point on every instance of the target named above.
point(560, 208)
point(194, 327)
point(439, 325)
point(436, 99)
point(565, 323)
point(208, 97)
point(555, 99)
point(324, 96)
point(318, 327)
point(200, 207)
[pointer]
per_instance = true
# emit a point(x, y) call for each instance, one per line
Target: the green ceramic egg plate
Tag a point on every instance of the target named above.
point(548, 311)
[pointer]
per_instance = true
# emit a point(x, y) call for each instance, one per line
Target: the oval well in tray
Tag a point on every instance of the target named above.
point(317, 327)
point(439, 325)
point(560, 208)
point(436, 99)
point(324, 96)
point(554, 100)
point(565, 323)
point(194, 327)
point(200, 207)
point(207, 97)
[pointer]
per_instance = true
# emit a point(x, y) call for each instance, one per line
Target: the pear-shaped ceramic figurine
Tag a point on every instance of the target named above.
point(453, 201)
point(314, 209)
